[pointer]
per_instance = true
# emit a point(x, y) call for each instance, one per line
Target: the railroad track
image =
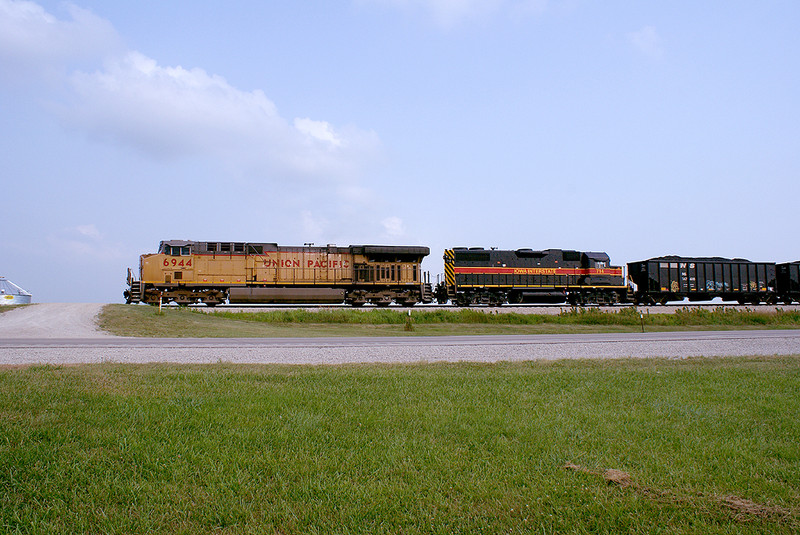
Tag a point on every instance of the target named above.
point(528, 308)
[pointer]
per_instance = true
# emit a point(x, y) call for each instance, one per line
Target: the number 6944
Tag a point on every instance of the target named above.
point(174, 262)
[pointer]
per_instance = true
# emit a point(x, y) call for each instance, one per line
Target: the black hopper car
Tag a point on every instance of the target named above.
point(672, 278)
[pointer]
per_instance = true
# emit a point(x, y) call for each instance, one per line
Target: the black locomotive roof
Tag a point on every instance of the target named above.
point(676, 258)
point(241, 247)
point(391, 249)
point(597, 256)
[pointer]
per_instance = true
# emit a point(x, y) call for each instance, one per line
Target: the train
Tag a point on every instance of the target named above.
point(188, 272)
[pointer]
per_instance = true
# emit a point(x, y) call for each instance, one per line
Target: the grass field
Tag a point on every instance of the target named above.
point(133, 320)
point(654, 446)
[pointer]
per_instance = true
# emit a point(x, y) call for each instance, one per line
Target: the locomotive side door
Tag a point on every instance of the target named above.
point(250, 267)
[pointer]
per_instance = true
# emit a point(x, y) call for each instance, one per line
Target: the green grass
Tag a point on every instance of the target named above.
point(133, 320)
point(628, 316)
point(445, 448)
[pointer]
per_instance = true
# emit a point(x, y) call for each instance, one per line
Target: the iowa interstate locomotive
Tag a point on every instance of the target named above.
point(187, 272)
point(489, 276)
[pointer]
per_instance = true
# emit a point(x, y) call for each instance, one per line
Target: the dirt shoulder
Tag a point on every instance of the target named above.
point(52, 320)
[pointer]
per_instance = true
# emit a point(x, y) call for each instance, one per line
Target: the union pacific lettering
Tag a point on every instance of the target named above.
point(537, 271)
point(329, 264)
point(295, 263)
point(281, 263)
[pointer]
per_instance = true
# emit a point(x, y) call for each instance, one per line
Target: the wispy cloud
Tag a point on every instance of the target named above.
point(314, 227)
point(168, 111)
point(34, 43)
point(393, 227)
point(647, 41)
point(90, 231)
point(84, 243)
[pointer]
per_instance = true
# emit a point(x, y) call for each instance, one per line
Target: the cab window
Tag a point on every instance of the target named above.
point(177, 250)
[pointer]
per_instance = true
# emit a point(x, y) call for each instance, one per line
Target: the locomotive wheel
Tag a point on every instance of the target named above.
point(183, 298)
point(381, 300)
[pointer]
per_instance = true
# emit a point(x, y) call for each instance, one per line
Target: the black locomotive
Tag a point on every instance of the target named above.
point(490, 276)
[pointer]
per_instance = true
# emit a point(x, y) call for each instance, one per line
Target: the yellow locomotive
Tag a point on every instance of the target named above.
point(187, 272)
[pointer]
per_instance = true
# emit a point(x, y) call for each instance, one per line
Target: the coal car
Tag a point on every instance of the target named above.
point(788, 281)
point(209, 272)
point(490, 276)
point(671, 278)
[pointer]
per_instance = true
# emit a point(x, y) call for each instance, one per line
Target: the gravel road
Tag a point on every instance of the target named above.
point(66, 334)
point(52, 320)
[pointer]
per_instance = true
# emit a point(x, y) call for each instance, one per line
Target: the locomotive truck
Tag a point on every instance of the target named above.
point(187, 272)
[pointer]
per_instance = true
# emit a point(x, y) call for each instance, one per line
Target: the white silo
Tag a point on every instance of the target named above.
point(11, 294)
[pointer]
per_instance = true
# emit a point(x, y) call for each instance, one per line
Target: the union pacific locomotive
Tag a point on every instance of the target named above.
point(214, 272)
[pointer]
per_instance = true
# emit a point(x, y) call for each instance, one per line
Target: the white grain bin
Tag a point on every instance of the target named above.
point(11, 294)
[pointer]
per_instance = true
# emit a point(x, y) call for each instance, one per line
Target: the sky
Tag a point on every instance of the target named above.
point(636, 128)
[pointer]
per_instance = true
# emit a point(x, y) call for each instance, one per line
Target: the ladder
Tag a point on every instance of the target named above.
point(136, 292)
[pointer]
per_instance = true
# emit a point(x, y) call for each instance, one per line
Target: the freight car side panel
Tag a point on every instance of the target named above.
point(788, 281)
point(674, 278)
